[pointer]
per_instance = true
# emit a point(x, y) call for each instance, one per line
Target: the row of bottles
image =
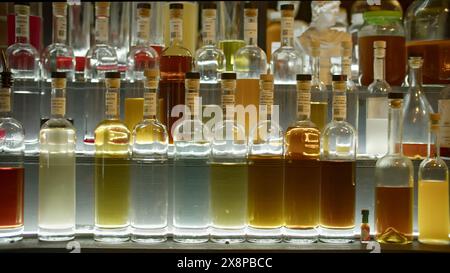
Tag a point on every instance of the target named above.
point(298, 185)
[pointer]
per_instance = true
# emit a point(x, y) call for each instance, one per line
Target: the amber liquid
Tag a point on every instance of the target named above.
point(247, 93)
point(436, 59)
point(265, 192)
point(395, 59)
point(416, 150)
point(337, 199)
point(171, 87)
point(394, 214)
point(11, 197)
point(302, 194)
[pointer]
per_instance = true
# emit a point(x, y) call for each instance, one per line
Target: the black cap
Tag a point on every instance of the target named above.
point(304, 77)
point(228, 76)
point(250, 5)
point(22, 3)
point(144, 6)
point(415, 54)
point(112, 75)
point(175, 6)
point(192, 75)
point(287, 7)
point(7, 79)
point(339, 78)
point(58, 75)
point(395, 95)
point(209, 5)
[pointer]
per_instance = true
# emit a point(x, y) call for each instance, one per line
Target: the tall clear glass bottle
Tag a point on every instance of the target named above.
point(101, 57)
point(285, 65)
point(23, 62)
point(394, 180)
point(57, 140)
point(377, 105)
point(112, 169)
point(265, 171)
point(12, 146)
point(433, 192)
point(150, 176)
point(302, 152)
point(141, 56)
point(191, 186)
point(338, 155)
point(119, 33)
point(175, 61)
point(228, 171)
point(319, 96)
point(352, 89)
point(416, 112)
point(58, 56)
point(444, 110)
point(250, 62)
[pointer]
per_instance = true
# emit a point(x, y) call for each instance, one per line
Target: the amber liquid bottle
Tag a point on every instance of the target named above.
point(175, 61)
point(302, 171)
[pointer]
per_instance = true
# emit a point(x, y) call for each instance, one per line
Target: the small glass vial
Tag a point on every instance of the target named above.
point(433, 192)
point(365, 227)
point(150, 176)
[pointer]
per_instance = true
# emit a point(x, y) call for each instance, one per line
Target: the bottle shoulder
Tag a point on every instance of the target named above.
point(209, 51)
point(10, 123)
point(339, 127)
point(58, 123)
point(101, 50)
point(142, 49)
point(379, 87)
point(176, 50)
point(433, 163)
point(112, 125)
point(58, 48)
point(18, 48)
point(394, 161)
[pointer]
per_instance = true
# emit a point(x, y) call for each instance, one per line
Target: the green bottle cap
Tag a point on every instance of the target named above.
point(381, 16)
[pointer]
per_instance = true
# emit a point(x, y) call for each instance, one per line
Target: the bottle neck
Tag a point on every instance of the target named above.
point(251, 30)
point(303, 100)
point(415, 76)
point(143, 27)
point(209, 27)
point(5, 102)
point(22, 28)
point(192, 97)
point(433, 142)
point(266, 98)
point(176, 27)
point(347, 66)
point(58, 102)
point(102, 30)
point(378, 68)
point(339, 101)
point(59, 31)
point(395, 128)
point(287, 31)
point(112, 98)
point(150, 99)
point(315, 68)
point(228, 98)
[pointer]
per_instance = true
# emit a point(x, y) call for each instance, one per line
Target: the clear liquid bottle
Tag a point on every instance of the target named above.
point(12, 146)
point(352, 89)
point(444, 110)
point(394, 182)
point(265, 171)
point(101, 57)
point(112, 169)
point(141, 56)
point(23, 62)
point(319, 95)
point(151, 177)
point(416, 112)
point(377, 105)
point(58, 56)
point(286, 64)
point(338, 155)
point(191, 186)
point(433, 192)
point(57, 182)
point(119, 33)
point(302, 171)
point(175, 61)
point(228, 171)
point(250, 62)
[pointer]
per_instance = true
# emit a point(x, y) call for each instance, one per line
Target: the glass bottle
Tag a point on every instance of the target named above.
point(250, 62)
point(175, 61)
point(319, 96)
point(101, 57)
point(383, 25)
point(58, 56)
point(57, 140)
point(433, 202)
point(119, 33)
point(150, 178)
point(357, 22)
point(286, 64)
point(426, 26)
point(394, 182)
point(377, 104)
point(265, 171)
point(365, 227)
point(157, 31)
point(444, 109)
point(352, 89)
point(302, 151)
point(23, 62)
point(112, 169)
point(141, 56)
point(416, 112)
point(191, 186)
point(338, 154)
point(228, 171)
point(12, 171)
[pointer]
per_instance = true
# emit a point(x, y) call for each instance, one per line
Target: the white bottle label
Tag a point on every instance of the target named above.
point(287, 28)
point(444, 110)
point(58, 106)
point(61, 28)
point(22, 26)
point(251, 29)
point(378, 69)
point(143, 27)
point(150, 104)
point(102, 29)
point(227, 100)
point(111, 104)
point(152, 84)
point(5, 100)
point(191, 97)
point(339, 107)
point(377, 108)
point(347, 67)
point(176, 29)
point(209, 26)
point(266, 98)
point(303, 103)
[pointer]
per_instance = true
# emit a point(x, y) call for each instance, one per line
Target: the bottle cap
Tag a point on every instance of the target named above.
point(266, 77)
point(7, 79)
point(144, 6)
point(395, 95)
point(379, 44)
point(209, 5)
point(192, 75)
point(339, 78)
point(112, 75)
point(228, 76)
point(415, 55)
point(151, 73)
point(250, 5)
point(435, 117)
point(304, 77)
point(58, 75)
point(287, 7)
point(175, 6)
